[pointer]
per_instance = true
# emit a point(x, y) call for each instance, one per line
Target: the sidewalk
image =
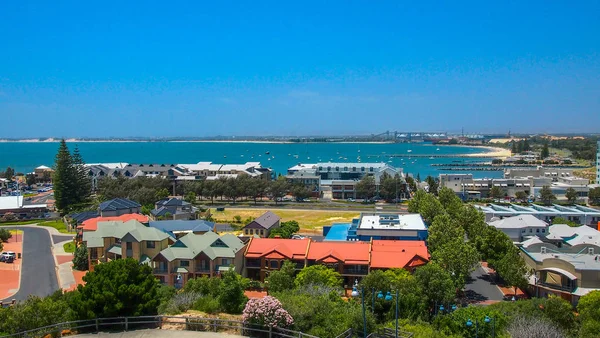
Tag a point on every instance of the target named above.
point(11, 272)
point(506, 291)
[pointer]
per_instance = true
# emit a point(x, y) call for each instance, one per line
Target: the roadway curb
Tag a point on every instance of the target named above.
point(20, 269)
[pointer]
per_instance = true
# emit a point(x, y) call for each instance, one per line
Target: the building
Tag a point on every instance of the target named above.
point(539, 171)
point(118, 207)
point(262, 225)
point(520, 227)
point(116, 239)
point(598, 162)
point(407, 255)
point(196, 255)
point(565, 262)
point(43, 174)
point(173, 208)
point(375, 226)
point(179, 228)
point(91, 224)
point(15, 205)
point(349, 259)
point(264, 255)
point(209, 170)
point(576, 213)
point(340, 179)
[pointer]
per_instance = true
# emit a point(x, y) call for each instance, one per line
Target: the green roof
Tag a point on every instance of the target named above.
point(145, 259)
point(131, 230)
point(115, 249)
point(211, 244)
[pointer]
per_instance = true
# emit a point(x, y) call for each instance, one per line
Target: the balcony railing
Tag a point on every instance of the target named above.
point(252, 264)
point(355, 270)
point(161, 271)
point(557, 287)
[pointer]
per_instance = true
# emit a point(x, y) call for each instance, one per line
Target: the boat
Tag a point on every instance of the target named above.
point(224, 156)
point(409, 151)
point(438, 149)
point(289, 154)
point(431, 158)
point(308, 158)
point(267, 152)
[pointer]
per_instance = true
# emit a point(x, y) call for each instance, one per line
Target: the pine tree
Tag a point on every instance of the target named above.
point(84, 184)
point(545, 151)
point(514, 148)
point(64, 180)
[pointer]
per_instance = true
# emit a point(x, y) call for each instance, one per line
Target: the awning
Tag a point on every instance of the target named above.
point(519, 184)
point(526, 184)
point(145, 260)
point(562, 272)
point(181, 270)
point(504, 185)
point(225, 268)
point(115, 249)
point(496, 184)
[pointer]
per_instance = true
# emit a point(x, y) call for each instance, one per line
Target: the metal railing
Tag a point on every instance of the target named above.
point(390, 333)
point(118, 324)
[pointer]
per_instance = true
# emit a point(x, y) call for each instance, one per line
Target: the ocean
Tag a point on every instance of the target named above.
point(25, 156)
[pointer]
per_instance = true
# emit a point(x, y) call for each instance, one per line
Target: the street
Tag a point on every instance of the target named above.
point(481, 288)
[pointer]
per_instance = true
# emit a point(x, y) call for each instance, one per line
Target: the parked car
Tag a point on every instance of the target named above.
point(351, 200)
point(8, 257)
point(297, 237)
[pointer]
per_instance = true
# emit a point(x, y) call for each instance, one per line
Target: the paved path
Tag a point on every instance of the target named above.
point(481, 288)
point(38, 271)
point(158, 334)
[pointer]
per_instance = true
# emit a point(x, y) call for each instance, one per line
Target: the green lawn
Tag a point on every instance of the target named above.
point(69, 247)
point(19, 222)
point(58, 225)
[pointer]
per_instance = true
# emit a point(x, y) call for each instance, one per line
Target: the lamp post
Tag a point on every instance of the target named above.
point(355, 294)
point(487, 319)
point(388, 297)
point(470, 324)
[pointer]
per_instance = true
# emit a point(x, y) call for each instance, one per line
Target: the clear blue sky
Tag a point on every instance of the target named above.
point(203, 68)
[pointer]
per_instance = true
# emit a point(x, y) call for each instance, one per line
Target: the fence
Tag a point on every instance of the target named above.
point(390, 333)
point(172, 322)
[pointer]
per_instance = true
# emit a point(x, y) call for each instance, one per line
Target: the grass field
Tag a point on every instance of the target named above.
point(58, 225)
point(69, 247)
point(20, 222)
point(308, 219)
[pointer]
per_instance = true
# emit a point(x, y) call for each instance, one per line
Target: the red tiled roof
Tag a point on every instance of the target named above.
point(275, 247)
point(92, 223)
point(347, 252)
point(398, 254)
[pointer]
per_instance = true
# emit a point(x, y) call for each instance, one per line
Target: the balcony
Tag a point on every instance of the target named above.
point(356, 270)
point(253, 263)
point(564, 288)
point(160, 271)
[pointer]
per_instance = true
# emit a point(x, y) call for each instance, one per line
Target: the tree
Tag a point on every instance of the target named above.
point(513, 148)
point(436, 283)
point(282, 279)
point(83, 183)
point(80, 258)
point(279, 188)
point(318, 275)
point(33, 313)
point(300, 192)
point(561, 220)
point(429, 208)
point(390, 187)
point(365, 188)
point(546, 195)
point(118, 288)
point(286, 230)
point(415, 202)
point(459, 259)
point(451, 203)
point(9, 173)
point(412, 185)
point(532, 327)
point(5, 235)
point(496, 192)
point(512, 269)
point(267, 312)
point(594, 196)
point(521, 195)
point(545, 152)
point(30, 179)
point(65, 180)
point(526, 146)
point(161, 194)
point(589, 313)
point(257, 189)
point(493, 245)
point(571, 195)
point(231, 297)
point(443, 230)
point(190, 197)
point(433, 185)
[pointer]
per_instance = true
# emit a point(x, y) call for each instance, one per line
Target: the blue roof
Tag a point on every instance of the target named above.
point(169, 226)
point(338, 232)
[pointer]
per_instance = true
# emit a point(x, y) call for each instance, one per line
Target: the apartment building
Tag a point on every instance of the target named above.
point(197, 255)
point(116, 239)
point(520, 227)
point(576, 213)
point(43, 174)
point(349, 259)
point(390, 254)
point(565, 262)
point(173, 208)
point(375, 226)
point(264, 255)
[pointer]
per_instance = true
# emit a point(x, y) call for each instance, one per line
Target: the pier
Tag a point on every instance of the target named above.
point(407, 155)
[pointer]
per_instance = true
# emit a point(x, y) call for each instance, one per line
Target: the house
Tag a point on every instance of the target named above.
point(43, 174)
point(349, 259)
point(172, 208)
point(15, 205)
point(378, 226)
point(91, 224)
point(223, 228)
point(117, 239)
point(565, 263)
point(178, 228)
point(196, 255)
point(389, 254)
point(576, 213)
point(262, 225)
point(3, 183)
point(264, 255)
point(118, 207)
point(517, 228)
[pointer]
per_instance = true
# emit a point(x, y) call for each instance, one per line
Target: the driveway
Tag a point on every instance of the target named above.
point(38, 272)
point(481, 288)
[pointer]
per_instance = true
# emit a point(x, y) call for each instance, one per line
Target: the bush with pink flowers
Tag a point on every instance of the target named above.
point(267, 312)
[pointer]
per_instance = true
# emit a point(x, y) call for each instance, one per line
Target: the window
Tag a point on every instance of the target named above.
point(371, 169)
point(184, 263)
point(274, 264)
point(150, 244)
point(523, 231)
point(129, 245)
point(590, 251)
point(530, 230)
point(362, 168)
point(543, 250)
point(537, 230)
point(543, 230)
point(225, 262)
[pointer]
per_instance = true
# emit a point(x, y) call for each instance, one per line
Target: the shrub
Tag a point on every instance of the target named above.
point(80, 258)
point(204, 286)
point(267, 311)
point(528, 327)
point(179, 303)
point(231, 296)
point(207, 304)
point(5, 235)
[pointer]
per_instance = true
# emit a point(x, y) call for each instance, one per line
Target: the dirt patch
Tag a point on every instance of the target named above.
point(201, 321)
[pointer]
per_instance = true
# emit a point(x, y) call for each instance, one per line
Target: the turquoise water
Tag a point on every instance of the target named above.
point(25, 156)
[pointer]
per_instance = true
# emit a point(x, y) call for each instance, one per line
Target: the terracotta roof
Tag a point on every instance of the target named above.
point(278, 248)
point(92, 223)
point(347, 252)
point(398, 254)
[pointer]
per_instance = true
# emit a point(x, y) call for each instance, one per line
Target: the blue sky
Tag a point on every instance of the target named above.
point(199, 68)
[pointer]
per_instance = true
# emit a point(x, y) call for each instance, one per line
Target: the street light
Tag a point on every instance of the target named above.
point(487, 319)
point(355, 293)
point(388, 297)
point(470, 324)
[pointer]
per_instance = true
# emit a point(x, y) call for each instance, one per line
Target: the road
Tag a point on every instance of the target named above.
point(38, 272)
point(481, 288)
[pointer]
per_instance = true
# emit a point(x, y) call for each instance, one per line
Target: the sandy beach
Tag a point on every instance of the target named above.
point(491, 151)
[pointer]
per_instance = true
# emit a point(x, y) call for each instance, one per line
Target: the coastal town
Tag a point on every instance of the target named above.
point(184, 221)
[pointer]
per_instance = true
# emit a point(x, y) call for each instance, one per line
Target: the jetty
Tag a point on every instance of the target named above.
point(411, 155)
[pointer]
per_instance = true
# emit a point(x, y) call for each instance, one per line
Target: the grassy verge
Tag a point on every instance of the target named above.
point(58, 225)
point(20, 222)
point(69, 247)
point(308, 219)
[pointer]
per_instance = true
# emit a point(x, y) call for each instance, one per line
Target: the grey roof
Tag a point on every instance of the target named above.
point(211, 244)
point(267, 220)
point(171, 226)
point(172, 202)
point(118, 229)
point(162, 211)
point(223, 227)
point(118, 204)
point(518, 222)
point(81, 217)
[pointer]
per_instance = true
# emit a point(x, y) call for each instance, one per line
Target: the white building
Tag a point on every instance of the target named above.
point(576, 213)
point(517, 228)
point(598, 162)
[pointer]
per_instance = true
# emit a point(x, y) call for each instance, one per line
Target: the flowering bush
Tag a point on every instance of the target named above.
point(267, 311)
